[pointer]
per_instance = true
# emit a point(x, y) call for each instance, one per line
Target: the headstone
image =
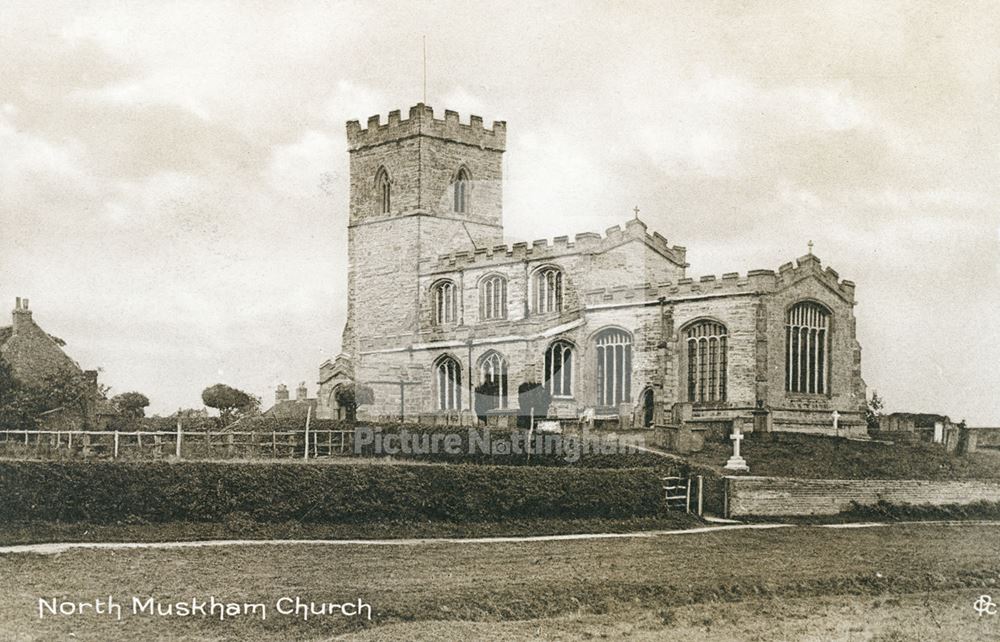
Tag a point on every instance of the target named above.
point(548, 426)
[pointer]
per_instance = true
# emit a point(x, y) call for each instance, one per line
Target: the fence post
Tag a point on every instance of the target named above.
point(274, 445)
point(177, 452)
point(305, 453)
point(701, 481)
point(116, 445)
point(687, 499)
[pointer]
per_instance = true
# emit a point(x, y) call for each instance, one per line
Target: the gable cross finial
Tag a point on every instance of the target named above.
point(810, 247)
point(636, 210)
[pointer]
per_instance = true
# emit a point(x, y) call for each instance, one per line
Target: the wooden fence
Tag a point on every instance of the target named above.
point(180, 444)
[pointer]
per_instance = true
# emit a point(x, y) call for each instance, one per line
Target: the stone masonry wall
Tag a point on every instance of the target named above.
point(773, 496)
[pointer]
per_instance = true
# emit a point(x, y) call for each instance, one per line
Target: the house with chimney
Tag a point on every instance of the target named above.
point(298, 408)
point(35, 359)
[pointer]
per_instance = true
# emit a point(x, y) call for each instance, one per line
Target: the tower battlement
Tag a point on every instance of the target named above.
point(559, 246)
point(756, 281)
point(421, 122)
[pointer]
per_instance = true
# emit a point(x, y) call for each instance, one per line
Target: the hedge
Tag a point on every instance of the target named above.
point(108, 492)
point(466, 454)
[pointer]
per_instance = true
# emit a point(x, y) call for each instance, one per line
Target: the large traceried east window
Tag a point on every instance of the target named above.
point(807, 336)
point(493, 369)
point(383, 191)
point(559, 369)
point(448, 383)
point(444, 297)
point(493, 298)
point(547, 286)
point(614, 367)
point(460, 191)
point(706, 362)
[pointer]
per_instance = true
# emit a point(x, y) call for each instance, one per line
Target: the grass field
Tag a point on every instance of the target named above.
point(41, 532)
point(724, 582)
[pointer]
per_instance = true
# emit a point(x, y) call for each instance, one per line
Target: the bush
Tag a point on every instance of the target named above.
point(533, 400)
point(109, 492)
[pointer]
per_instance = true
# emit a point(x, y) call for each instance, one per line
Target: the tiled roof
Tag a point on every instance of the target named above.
point(5, 333)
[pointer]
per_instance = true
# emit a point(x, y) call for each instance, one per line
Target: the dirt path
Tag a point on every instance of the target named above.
point(61, 547)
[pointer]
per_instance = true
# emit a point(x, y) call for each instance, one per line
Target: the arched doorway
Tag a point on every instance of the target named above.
point(647, 407)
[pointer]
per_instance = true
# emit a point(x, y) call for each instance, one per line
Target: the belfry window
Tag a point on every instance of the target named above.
point(383, 191)
point(559, 369)
point(706, 362)
point(614, 367)
point(547, 296)
point(493, 370)
point(493, 298)
point(460, 189)
point(807, 338)
point(444, 297)
point(448, 383)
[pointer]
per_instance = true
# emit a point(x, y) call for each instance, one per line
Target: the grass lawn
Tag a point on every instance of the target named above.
point(943, 615)
point(653, 585)
point(819, 457)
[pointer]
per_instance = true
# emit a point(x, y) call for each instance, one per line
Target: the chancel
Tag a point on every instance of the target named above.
point(610, 323)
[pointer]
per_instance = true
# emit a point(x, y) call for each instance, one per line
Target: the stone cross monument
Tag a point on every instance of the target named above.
point(736, 462)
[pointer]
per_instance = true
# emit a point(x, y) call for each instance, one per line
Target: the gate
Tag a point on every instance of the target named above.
point(678, 493)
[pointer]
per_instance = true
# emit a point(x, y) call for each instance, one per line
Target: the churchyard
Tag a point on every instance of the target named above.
point(785, 578)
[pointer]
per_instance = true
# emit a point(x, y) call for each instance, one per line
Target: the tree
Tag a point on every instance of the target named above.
point(873, 411)
point(487, 398)
point(132, 405)
point(534, 401)
point(21, 403)
point(350, 396)
point(230, 402)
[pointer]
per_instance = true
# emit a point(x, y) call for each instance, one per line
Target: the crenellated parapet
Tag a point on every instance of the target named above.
point(755, 281)
point(421, 122)
point(585, 242)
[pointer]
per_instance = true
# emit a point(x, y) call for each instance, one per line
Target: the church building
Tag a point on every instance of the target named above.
point(610, 324)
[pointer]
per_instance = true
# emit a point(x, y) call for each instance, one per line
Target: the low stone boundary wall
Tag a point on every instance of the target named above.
point(779, 496)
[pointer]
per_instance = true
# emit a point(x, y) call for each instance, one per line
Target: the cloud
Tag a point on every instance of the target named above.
point(173, 182)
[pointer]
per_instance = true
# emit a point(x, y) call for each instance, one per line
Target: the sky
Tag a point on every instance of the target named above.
point(173, 176)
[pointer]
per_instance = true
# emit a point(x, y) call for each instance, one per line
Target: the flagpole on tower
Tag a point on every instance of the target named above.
point(425, 69)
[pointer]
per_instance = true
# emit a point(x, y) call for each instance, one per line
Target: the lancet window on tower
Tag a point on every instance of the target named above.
point(383, 191)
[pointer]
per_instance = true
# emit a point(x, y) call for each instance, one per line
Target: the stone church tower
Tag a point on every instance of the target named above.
point(420, 187)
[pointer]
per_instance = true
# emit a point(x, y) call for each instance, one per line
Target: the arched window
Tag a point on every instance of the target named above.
point(706, 361)
point(448, 382)
point(444, 297)
point(493, 298)
point(807, 335)
point(460, 189)
point(383, 191)
point(493, 369)
point(614, 367)
point(559, 369)
point(547, 285)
